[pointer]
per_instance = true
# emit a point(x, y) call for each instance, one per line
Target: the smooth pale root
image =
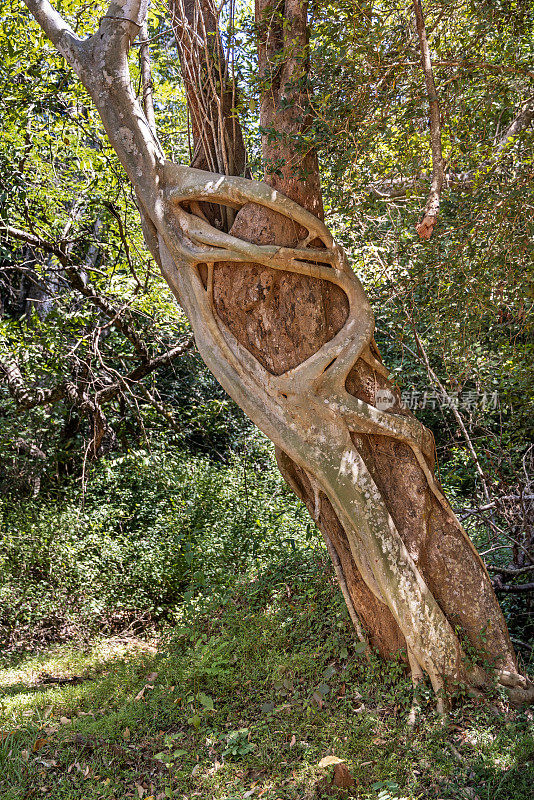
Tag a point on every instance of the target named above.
point(306, 411)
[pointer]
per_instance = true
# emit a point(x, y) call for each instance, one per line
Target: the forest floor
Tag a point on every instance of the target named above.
point(243, 699)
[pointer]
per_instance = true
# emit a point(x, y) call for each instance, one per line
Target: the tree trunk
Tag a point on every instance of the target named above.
point(283, 323)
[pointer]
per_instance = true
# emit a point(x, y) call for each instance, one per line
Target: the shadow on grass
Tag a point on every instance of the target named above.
point(243, 700)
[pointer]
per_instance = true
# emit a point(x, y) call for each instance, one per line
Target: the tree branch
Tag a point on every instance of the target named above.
point(430, 214)
point(518, 588)
point(115, 315)
point(460, 181)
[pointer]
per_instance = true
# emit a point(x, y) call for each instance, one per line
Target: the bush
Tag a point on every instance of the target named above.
point(151, 529)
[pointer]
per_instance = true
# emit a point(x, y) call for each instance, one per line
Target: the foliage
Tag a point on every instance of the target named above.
point(146, 531)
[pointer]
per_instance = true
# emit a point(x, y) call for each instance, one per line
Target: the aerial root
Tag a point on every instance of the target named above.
point(417, 678)
point(320, 379)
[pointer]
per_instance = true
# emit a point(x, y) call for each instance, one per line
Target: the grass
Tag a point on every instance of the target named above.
point(243, 699)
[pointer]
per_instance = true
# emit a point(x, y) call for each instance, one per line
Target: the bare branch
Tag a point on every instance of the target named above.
point(510, 571)
point(24, 396)
point(430, 214)
point(117, 316)
point(518, 588)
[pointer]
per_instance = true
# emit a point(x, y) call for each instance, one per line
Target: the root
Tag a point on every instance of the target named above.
point(345, 591)
point(417, 677)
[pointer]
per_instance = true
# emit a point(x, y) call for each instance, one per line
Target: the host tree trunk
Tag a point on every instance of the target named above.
point(283, 323)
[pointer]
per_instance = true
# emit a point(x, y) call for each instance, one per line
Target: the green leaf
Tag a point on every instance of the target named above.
point(206, 701)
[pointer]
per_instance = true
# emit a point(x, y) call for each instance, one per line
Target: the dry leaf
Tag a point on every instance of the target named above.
point(64, 720)
point(48, 762)
point(139, 695)
point(342, 777)
point(38, 744)
point(152, 677)
point(140, 789)
point(25, 754)
point(293, 741)
point(195, 769)
point(327, 761)
point(126, 734)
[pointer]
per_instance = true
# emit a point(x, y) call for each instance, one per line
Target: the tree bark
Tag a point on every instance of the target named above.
point(283, 323)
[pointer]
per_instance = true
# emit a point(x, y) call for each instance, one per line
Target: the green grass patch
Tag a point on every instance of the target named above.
point(243, 698)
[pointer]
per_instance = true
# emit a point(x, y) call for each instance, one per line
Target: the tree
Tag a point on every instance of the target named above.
point(283, 323)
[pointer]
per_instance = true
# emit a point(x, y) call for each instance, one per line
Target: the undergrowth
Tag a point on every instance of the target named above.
point(243, 698)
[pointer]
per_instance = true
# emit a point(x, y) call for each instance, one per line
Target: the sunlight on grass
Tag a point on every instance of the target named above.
point(239, 704)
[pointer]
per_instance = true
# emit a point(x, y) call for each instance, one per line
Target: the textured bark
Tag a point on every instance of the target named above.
point(364, 473)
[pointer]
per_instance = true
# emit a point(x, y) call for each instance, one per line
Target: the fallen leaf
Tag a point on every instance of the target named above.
point(195, 769)
point(48, 762)
point(38, 744)
point(139, 695)
point(342, 777)
point(126, 734)
point(327, 761)
point(65, 720)
point(293, 741)
point(152, 677)
point(25, 754)
point(140, 789)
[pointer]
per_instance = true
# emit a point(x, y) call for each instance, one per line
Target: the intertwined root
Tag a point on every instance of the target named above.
point(324, 374)
point(307, 411)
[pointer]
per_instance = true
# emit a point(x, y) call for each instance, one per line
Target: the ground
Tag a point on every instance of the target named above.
point(243, 698)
